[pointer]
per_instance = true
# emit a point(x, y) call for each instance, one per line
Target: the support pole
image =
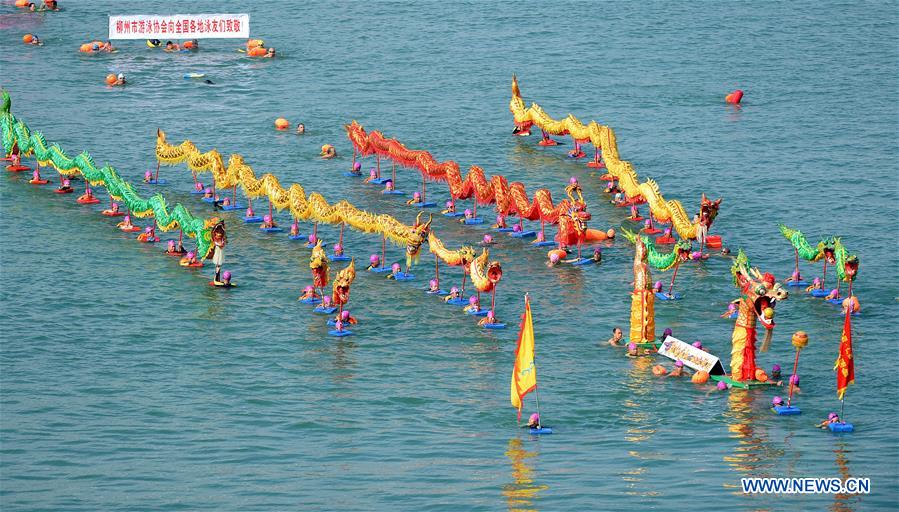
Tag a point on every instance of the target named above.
point(673, 276)
point(156, 179)
point(795, 366)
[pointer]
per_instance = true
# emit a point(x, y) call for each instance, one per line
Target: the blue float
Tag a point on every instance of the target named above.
point(340, 334)
point(393, 192)
point(473, 221)
point(819, 293)
point(379, 270)
point(540, 431)
point(839, 428)
point(402, 276)
point(312, 300)
point(303, 238)
point(505, 230)
point(310, 246)
point(583, 261)
point(271, 230)
point(435, 292)
point(524, 234)
point(665, 296)
point(786, 410)
point(426, 204)
point(352, 175)
point(335, 257)
point(733, 315)
point(157, 182)
point(208, 199)
point(836, 302)
point(325, 310)
point(798, 283)
point(494, 326)
point(197, 192)
point(545, 243)
point(229, 207)
point(453, 214)
point(457, 302)
point(253, 220)
point(480, 312)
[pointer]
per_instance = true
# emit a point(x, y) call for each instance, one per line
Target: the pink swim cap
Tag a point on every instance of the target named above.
point(416, 195)
point(357, 166)
point(488, 239)
point(338, 325)
point(191, 254)
point(721, 385)
point(468, 211)
point(309, 288)
point(395, 267)
point(832, 416)
point(66, 182)
point(432, 282)
point(148, 174)
point(534, 418)
point(36, 174)
point(697, 344)
point(249, 212)
point(632, 346)
point(449, 204)
point(345, 314)
point(490, 314)
point(540, 237)
point(267, 218)
point(516, 228)
point(679, 363)
point(647, 223)
point(777, 400)
point(597, 251)
point(198, 186)
point(171, 243)
point(554, 257)
point(473, 299)
point(658, 284)
point(696, 255)
point(207, 190)
point(149, 229)
point(338, 247)
point(794, 379)
point(668, 231)
point(372, 172)
point(500, 219)
point(313, 239)
point(374, 258)
point(226, 275)
point(326, 301)
point(127, 218)
point(572, 180)
point(816, 280)
point(454, 289)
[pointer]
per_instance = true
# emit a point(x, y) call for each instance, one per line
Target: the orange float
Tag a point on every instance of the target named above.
point(659, 370)
point(110, 79)
point(22, 3)
point(760, 375)
point(595, 235)
point(734, 98)
point(188, 44)
point(282, 124)
point(27, 38)
point(700, 377)
point(256, 51)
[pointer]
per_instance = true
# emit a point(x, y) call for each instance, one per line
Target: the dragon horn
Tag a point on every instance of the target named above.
point(418, 218)
point(430, 219)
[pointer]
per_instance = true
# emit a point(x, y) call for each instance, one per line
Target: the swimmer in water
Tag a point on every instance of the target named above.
point(831, 418)
point(388, 186)
point(533, 421)
point(308, 293)
point(468, 216)
point(731, 310)
point(678, 370)
point(301, 129)
point(433, 286)
point(294, 229)
point(416, 199)
point(777, 402)
point(794, 277)
point(357, 169)
point(542, 238)
point(338, 250)
point(34, 41)
point(490, 319)
point(268, 222)
point(210, 82)
point(345, 317)
point(120, 79)
point(474, 305)
point(65, 186)
point(269, 54)
point(374, 262)
point(597, 255)
point(107, 47)
point(617, 335)
point(171, 47)
point(453, 294)
point(554, 259)
point(372, 175)
point(112, 210)
point(488, 240)
point(126, 224)
point(49, 5)
point(450, 207)
point(328, 152)
point(500, 222)
point(395, 270)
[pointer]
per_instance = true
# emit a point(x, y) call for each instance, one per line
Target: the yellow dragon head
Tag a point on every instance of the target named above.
point(485, 274)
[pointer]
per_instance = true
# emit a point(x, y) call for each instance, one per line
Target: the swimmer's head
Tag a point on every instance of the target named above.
point(473, 300)
point(468, 212)
point(148, 175)
point(395, 267)
point(338, 247)
point(554, 257)
point(679, 364)
point(357, 166)
point(373, 173)
point(632, 346)
point(374, 258)
point(326, 301)
point(647, 224)
point(432, 283)
point(148, 229)
point(667, 332)
point(500, 219)
point(794, 379)
point(226, 276)
point(454, 289)
point(721, 385)
point(776, 401)
point(816, 280)
point(416, 195)
point(313, 239)
point(191, 255)
point(309, 289)
point(697, 344)
point(198, 186)
point(268, 218)
point(597, 251)
point(171, 244)
point(207, 190)
point(535, 418)
point(449, 204)
point(491, 315)
point(572, 181)
point(832, 416)
point(488, 239)
point(667, 231)
point(516, 228)
point(345, 314)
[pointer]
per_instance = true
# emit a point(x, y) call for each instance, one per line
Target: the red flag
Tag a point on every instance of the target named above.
point(845, 365)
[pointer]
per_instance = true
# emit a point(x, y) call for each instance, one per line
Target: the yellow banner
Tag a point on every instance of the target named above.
point(524, 373)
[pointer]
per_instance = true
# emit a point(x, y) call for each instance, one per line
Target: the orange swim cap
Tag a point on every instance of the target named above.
point(110, 79)
point(27, 38)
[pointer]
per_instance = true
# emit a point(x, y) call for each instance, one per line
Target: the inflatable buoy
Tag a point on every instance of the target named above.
point(282, 124)
point(110, 79)
point(253, 43)
point(659, 370)
point(22, 3)
point(560, 254)
point(734, 98)
point(595, 235)
point(713, 241)
point(188, 44)
point(17, 168)
point(760, 375)
point(86, 48)
point(257, 51)
point(27, 38)
point(700, 377)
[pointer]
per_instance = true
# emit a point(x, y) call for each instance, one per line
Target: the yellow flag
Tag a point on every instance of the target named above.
point(524, 373)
